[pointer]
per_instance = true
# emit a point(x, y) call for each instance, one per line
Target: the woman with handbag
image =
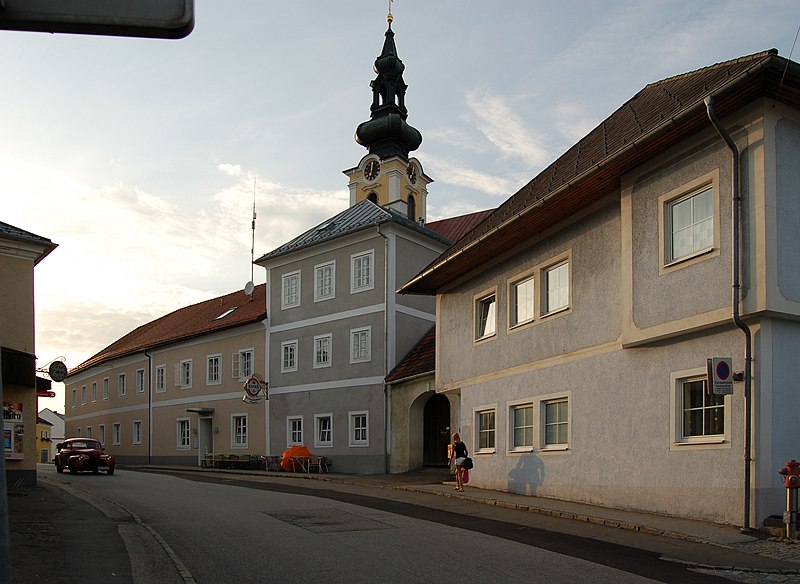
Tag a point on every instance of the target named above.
point(460, 454)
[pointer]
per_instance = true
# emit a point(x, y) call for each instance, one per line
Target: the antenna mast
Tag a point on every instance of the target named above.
point(253, 243)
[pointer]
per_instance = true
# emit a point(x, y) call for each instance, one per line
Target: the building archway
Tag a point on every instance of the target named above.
point(435, 430)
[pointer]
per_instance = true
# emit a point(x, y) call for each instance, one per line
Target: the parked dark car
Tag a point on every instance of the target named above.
point(83, 455)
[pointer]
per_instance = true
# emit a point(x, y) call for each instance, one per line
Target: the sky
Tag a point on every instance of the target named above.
point(141, 158)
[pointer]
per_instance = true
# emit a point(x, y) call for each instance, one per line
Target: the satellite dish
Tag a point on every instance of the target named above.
point(248, 288)
point(57, 371)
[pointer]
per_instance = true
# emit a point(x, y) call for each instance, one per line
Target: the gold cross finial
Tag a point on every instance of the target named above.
point(389, 17)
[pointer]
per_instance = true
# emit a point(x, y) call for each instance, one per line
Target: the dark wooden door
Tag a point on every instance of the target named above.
point(436, 428)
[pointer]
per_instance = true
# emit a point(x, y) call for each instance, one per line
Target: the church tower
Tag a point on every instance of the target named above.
point(386, 175)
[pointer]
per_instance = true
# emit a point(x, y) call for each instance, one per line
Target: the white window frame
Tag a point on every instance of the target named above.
point(553, 399)
point(561, 266)
point(357, 280)
point(325, 272)
point(482, 322)
point(140, 381)
point(679, 441)
point(161, 378)
point(478, 431)
point(514, 319)
point(668, 263)
point(122, 385)
point(214, 369)
point(116, 433)
point(83, 395)
point(106, 390)
point(239, 430)
point(74, 400)
point(136, 432)
point(183, 439)
point(287, 281)
point(293, 346)
point(354, 431)
point(513, 407)
point(183, 374)
point(294, 430)
point(238, 359)
point(101, 433)
point(361, 355)
point(94, 391)
point(89, 432)
point(319, 341)
point(321, 441)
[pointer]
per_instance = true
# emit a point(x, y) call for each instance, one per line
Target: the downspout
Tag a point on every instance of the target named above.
point(149, 406)
point(735, 228)
point(387, 433)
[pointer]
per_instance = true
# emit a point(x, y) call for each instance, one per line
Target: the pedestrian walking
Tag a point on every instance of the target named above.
point(459, 454)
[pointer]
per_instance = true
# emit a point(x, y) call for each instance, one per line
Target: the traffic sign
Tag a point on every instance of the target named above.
point(168, 19)
point(45, 393)
point(720, 375)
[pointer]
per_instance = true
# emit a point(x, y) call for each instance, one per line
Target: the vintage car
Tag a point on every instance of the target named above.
point(83, 455)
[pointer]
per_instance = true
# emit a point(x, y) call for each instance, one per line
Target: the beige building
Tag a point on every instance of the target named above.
point(20, 252)
point(172, 390)
point(574, 325)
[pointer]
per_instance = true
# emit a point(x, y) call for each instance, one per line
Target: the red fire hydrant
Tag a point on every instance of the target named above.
point(791, 474)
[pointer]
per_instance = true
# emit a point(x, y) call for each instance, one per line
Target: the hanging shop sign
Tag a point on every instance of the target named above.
point(254, 389)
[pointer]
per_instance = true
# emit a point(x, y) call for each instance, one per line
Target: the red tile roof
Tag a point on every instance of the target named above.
point(455, 228)
point(185, 323)
point(419, 361)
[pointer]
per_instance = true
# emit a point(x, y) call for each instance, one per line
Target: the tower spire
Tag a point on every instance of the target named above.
point(387, 133)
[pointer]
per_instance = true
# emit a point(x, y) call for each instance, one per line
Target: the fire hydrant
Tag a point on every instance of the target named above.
point(791, 474)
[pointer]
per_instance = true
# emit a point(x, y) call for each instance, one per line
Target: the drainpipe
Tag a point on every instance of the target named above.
point(149, 406)
point(735, 288)
point(387, 432)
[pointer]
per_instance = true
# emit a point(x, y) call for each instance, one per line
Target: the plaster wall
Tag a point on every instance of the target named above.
point(16, 304)
point(408, 404)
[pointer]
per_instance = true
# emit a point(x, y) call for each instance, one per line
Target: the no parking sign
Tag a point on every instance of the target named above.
point(720, 375)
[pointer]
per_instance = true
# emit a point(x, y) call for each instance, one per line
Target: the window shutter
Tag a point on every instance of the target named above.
point(235, 366)
point(177, 374)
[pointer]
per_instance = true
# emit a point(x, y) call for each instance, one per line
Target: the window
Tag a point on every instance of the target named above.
point(184, 433)
point(294, 430)
point(522, 305)
point(359, 428)
point(161, 378)
point(78, 432)
point(703, 413)
point(83, 394)
point(521, 427)
point(290, 290)
point(361, 271)
point(121, 385)
point(243, 364)
point(485, 423)
point(101, 433)
point(213, 369)
point(322, 351)
point(239, 431)
point(288, 356)
point(116, 433)
point(324, 281)
point(556, 423)
point(323, 435)
point(105, 388)
point(485, 313)
point(140, 381)
point(556, 288)
point(360, 345)
point(94, 391)
point(74, 400)
point(88, 431)
point(183, 374)
point(137, 431)
point(691, 224)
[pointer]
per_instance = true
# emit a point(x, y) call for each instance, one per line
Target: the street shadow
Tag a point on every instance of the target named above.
point(526, 476)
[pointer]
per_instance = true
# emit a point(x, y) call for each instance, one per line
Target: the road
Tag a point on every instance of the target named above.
point(208, 528)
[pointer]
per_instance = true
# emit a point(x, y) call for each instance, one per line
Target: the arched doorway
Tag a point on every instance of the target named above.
point(436, 431)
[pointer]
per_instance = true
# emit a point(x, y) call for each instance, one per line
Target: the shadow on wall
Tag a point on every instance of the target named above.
point(526, 476)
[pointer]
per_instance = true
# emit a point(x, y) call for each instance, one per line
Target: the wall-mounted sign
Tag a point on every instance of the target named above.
point(720, 375)
point(13, 431)
point(254, 388)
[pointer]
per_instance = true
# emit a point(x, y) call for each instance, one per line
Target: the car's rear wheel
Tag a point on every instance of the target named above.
point(59, 469)
point(110, 472)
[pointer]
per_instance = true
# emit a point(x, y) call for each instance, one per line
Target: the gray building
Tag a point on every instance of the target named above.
point(575, 323)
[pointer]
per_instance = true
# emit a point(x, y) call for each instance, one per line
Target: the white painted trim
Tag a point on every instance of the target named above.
point(338, 384)
point(347, 314)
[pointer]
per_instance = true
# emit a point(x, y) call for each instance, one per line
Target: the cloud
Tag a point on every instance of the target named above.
point(573, 121)
point(230, 169)
point(446, 171)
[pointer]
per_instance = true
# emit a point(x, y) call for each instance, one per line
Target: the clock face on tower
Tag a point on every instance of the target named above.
point(371, 169)
point(411, 171)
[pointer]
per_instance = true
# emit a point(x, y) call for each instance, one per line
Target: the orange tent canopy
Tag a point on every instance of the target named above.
point(292, 451)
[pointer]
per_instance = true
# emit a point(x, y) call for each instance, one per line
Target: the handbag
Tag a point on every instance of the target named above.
point(467, 464)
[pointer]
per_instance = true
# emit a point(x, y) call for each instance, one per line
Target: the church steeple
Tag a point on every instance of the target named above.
point(387, 133)
point(386, 175)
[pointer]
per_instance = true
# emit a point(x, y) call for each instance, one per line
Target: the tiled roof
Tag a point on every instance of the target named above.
point(363, 215)
point(660, 115)
point(40, 420)
point(454, 228)
point(185, 323)
point(420, 360)
point(15, 233)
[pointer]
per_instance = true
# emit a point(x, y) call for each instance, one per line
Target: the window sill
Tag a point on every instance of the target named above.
point(525, 450)
point(485, 451)
point(485, 338)
point(688, 257)
point(700, 441)
point(555, 448)
point(556, 311)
